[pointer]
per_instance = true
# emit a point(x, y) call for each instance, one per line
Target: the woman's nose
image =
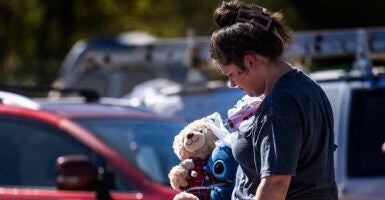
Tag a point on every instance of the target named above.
point(232, 84)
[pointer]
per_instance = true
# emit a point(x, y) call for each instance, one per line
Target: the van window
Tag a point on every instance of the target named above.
point(366, 133)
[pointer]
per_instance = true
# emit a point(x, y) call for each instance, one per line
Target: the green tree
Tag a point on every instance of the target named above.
point(35, 35)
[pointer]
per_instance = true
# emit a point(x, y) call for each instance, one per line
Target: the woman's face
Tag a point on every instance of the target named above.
point(248, 80)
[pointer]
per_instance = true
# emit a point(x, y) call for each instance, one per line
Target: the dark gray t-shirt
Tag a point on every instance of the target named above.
point(292, 135)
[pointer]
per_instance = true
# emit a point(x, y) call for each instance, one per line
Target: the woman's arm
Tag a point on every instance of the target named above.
point(273, 188)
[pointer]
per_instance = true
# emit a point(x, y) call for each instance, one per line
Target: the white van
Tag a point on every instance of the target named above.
point(114, 65)
point(358, 104)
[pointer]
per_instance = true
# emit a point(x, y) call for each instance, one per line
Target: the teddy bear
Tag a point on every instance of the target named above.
point(193, 145)
point(207, 171)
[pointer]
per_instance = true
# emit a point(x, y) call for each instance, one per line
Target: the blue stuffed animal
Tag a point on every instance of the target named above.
point(224, 167)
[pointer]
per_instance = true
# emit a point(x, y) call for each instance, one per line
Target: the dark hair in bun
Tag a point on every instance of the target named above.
point(244, 28)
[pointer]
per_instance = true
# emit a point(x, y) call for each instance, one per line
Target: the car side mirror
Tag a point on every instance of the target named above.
point(75, 172)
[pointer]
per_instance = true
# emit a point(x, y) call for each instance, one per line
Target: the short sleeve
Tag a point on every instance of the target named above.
point(280, 145)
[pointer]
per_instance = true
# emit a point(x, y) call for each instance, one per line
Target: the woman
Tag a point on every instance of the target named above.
point(288, 154)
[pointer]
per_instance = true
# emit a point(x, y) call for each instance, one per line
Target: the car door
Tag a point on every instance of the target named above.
point(29, 149)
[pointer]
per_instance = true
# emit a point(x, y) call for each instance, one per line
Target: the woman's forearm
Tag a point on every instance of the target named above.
point(273, 188)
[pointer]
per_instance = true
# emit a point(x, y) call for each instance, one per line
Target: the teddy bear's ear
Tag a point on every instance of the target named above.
point(178, 147)
point(177, 144)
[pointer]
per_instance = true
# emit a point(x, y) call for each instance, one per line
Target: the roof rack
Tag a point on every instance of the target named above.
point(332, 42)
point(362, 48)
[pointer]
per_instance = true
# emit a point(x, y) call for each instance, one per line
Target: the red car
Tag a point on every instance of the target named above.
point(85, 151)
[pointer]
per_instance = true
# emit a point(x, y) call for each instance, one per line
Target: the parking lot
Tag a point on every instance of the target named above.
point(117, 142)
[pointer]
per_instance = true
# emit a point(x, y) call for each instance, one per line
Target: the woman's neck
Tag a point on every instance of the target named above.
point(274, 71)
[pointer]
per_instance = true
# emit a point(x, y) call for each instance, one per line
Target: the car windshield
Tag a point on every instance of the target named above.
point(146, 144)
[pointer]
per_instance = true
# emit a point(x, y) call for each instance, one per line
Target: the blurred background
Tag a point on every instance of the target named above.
point(153, 55)
point(36, 35)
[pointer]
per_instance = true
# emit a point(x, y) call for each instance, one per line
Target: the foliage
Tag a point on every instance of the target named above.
point(37, 34)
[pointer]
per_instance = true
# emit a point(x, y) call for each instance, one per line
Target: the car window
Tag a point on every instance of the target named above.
point(29, 150)
point(366, 133)
point(147, 144)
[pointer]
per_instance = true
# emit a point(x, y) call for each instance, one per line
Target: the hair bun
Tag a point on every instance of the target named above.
point(226, 14)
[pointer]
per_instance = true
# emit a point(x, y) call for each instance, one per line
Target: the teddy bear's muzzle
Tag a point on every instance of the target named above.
point(194, 141)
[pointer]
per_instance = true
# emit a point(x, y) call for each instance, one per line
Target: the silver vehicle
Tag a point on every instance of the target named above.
point(359, 112)
point(357, 97)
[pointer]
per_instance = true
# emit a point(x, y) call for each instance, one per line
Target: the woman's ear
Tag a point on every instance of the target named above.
point(253, 60)
point(250, 61)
